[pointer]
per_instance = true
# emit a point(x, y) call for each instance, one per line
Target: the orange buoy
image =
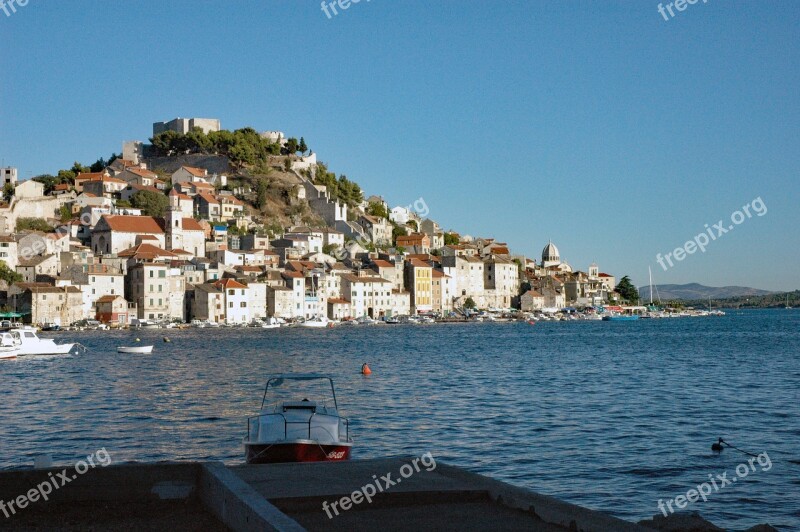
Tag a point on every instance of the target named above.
point(365, 369)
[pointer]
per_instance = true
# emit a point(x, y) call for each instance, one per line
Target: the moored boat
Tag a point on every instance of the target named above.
point(140, 350)
point(8, 347)
point(288, 430)
point(317, 323)
point(621, 317)
point(30, 343)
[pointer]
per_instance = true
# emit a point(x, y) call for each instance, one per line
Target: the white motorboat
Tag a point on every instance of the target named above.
point(139, 350)
point(144, 324)
point(270, 323)
point(317, 323)
point(291, 430)
point(8, 347)
point(29, 343)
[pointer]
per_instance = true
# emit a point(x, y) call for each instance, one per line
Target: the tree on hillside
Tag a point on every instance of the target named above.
point(627, 291)
point(151, 203)
point(8, 191)
point(262, 189)
point(302, 147)
point(398, 230)
point(291, 147)
point(243, 147)
point(377, 209)
point(101, 163)
point(341, 189)
point(450, 239)
point(8, 275)
point(33, 224)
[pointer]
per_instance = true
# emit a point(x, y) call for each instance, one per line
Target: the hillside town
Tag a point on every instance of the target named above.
point(154, 238)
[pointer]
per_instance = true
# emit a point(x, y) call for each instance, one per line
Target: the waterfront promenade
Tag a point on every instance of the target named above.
point(290, 497)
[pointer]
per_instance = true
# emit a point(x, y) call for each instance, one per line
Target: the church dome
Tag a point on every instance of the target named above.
point(550, 253)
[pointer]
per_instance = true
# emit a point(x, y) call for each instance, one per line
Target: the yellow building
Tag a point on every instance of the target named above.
point(419, 282)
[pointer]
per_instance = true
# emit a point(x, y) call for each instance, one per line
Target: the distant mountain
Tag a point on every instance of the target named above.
point(696, 291)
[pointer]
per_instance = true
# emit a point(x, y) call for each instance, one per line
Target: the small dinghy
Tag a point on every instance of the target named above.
point(139, 350)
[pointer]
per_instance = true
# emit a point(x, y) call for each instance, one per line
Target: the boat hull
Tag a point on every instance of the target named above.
point(144, 350)
point(296, 451)
point(620, 318)
point(62, 349)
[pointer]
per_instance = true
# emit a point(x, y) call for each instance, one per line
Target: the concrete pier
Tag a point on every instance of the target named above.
point(387, 494)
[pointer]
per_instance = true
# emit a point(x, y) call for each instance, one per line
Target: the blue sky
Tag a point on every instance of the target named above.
point(601, 126)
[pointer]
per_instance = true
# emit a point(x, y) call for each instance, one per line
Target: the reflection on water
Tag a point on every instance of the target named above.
point(612, 416)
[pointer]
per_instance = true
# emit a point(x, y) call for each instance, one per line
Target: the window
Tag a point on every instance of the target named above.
point(243, 304)
point(162, 273)
point(94, 280)
point(159, 303)
point(151, 304)
point(160, 287)
point(230, 305)
point(151, 275)
point(231, 292)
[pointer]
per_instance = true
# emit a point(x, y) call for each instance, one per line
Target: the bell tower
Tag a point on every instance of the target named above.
point(173, 220)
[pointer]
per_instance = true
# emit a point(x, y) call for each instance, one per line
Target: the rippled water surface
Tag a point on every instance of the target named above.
point(609, 415)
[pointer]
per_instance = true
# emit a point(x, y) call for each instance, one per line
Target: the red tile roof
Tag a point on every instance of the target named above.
point(228, 283)
point(146, 251)
point(174, 193)
point(133, 224)
point(106, 179)
point(88, 175)
point(107, 299)
point(142, 172)
point(197, 172)
point(190, 224)
point(532, 293)
point(208, 197)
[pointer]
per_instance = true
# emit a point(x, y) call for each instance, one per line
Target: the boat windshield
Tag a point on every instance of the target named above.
point(298, 388)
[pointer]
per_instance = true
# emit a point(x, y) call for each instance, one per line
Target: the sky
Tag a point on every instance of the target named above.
point(601, 126)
